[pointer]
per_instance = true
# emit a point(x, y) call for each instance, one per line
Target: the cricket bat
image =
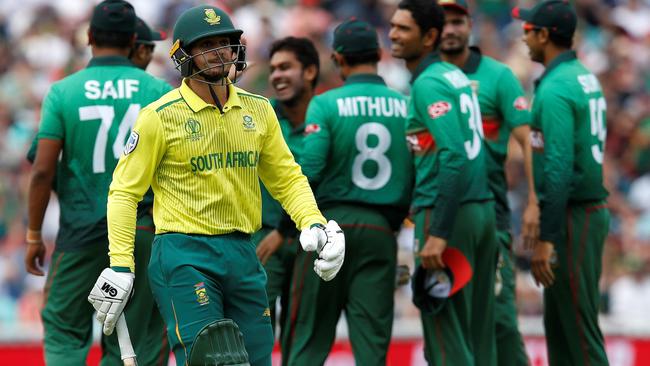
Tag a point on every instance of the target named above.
point(123, 338)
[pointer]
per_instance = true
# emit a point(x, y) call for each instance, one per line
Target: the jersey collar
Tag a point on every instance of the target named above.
point(196, 103)
point(364, 78)
point(110, 61)
point(473, 60)
point(429, 59)
point(283, 119)
point(565, 56)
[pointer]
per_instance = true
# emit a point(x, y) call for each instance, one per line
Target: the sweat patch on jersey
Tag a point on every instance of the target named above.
point(311, 128)
point(132, 143)
point(520, 104)
point(438, 109)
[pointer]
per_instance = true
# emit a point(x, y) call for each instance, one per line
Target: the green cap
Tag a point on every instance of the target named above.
point(460, 5)
point(114, 16)
point(145, 35)
point(558, 16)
point(355, 36)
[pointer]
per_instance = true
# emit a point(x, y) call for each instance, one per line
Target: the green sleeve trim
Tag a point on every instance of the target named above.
point(121, 269)
point(168, 104)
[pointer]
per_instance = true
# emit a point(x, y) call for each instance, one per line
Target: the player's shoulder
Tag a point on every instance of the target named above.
point(493, 66)
point(442, 76)
point(248, 98)
point(167, 100)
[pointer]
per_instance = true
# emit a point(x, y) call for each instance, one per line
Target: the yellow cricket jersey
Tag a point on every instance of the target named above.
point(204, 168)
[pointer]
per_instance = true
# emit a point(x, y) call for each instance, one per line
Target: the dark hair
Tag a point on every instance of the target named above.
point(360, 58)
point(428, 14)
point(561, 41)
point(102, 38)
point(302, 48)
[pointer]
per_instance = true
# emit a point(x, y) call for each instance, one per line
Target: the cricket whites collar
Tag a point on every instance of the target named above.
point(565, 56)
point(196, 103)
point(110, 61)
point(364, 78)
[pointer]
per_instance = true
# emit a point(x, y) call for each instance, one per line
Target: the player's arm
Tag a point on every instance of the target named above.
point(514, 109)
point(50, 142)
point(314, 158)
point(557, 122)
point(283, 178)
point(451, 161)
point(131, 180)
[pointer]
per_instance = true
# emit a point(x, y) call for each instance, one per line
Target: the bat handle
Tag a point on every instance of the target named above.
point(123, 338)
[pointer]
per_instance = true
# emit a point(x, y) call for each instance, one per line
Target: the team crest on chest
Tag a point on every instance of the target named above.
point(249, 124)
point(193, 129)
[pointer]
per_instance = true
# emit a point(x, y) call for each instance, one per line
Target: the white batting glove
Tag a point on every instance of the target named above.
point(329, 243)
point(110, 295)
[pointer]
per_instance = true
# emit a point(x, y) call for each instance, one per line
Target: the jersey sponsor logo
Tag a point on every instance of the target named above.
point(311, 128)
point(211, 17)
point(248, 123)
point(438, 109)
point(520, 104)
point(132, 143)
point(109, 290)
point(201, 294)
point(421, 142)
point(220, 160)
point(193, 129)
point(537, 140)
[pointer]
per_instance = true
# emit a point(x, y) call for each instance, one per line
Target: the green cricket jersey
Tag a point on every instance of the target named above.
point(568, 140)
point(271, 209)
point(503, 108)
point(93, 111)
point(445, 134)
point(355, 150)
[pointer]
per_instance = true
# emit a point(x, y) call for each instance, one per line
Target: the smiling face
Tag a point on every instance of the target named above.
point(456, 33)
point(213, 57)
point(405, 36)
point(288, 77)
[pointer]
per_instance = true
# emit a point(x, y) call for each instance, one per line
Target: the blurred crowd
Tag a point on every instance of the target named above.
point(42, 41)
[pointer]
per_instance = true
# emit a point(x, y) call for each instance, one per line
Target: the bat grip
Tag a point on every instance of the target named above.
point(124, 340)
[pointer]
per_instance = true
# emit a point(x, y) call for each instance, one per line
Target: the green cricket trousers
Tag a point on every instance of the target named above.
point(199, 279)
point(364, 289)
point(573, 336)
point(67, 314)
point(462, 332)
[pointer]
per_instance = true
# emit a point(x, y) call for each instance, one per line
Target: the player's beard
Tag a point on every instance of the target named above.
point(459, 47)
point(295, 98)
point(216, 77)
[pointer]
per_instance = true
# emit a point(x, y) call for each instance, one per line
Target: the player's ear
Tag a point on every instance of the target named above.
point(429, 38)
point(90, 37)
point(310, 73)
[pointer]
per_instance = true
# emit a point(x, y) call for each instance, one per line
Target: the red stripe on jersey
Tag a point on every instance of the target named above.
point(421, 143)
point(491, 127)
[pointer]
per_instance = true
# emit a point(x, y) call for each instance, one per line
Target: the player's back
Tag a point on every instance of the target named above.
point(442, 94)
point(368, 162)
point(93, 111)
point(580, 90)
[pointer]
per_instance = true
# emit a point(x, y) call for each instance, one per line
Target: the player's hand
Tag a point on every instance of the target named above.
point(530, 225)
point(541, 263)
point(269, 245)
point(431, 253)
point(329, 243)
point(110, 295)
point(35, 253)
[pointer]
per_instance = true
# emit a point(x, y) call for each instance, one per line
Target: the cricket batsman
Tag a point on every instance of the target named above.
point(203, 147)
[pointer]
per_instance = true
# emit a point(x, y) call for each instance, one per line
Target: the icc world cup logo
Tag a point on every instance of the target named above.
point(193, 129)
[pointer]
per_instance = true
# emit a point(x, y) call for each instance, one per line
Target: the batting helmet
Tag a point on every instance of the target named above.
point(200, 22)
